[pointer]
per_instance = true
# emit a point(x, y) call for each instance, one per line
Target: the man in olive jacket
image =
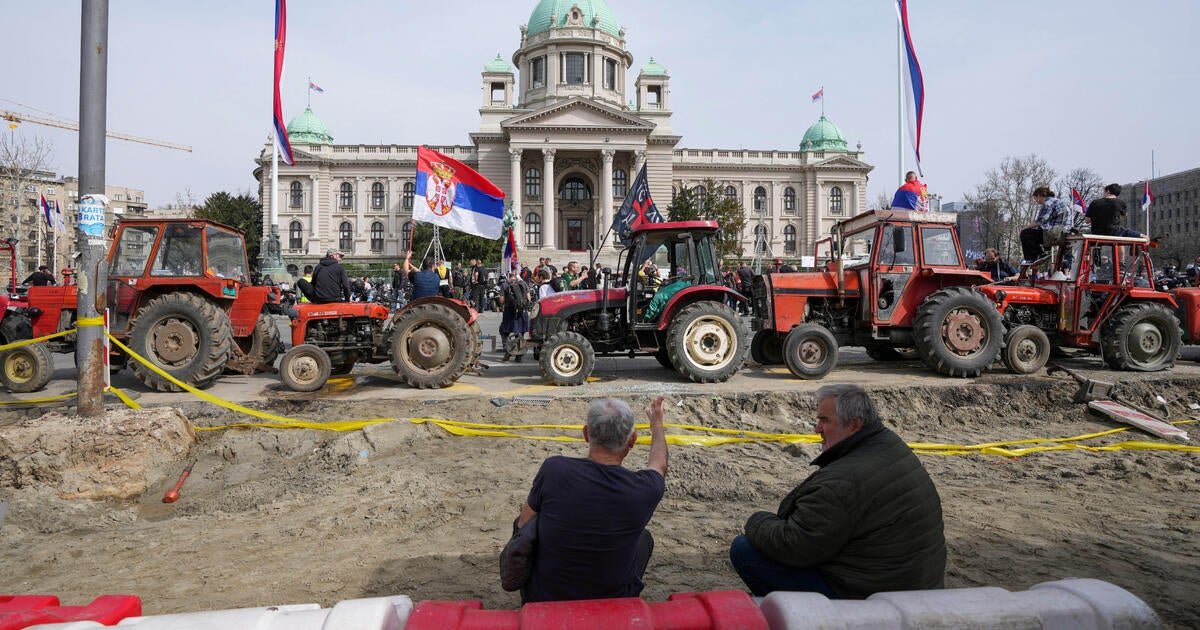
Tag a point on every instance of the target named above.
point(868, 521)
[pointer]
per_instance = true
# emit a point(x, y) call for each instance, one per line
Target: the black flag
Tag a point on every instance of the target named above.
point(637, 208)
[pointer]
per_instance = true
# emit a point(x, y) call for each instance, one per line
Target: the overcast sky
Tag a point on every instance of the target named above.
point(1095, 83)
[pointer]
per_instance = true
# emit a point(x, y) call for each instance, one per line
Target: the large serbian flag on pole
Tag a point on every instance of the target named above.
point(913, 91)
point(281, 136)
point(452, 195)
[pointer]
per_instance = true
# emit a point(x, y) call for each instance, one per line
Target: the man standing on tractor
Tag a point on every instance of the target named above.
point(40, 278)
point(330, 282)
point(908, 195)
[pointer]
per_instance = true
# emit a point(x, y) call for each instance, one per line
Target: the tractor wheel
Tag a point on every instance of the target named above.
point(26, 369)
point(183, 334)
point(476, 344)
point(958, 331)
point(1026, 349)
point(567, 359)
point(1141, 337)
point(810, 351)
point(707, 342)
point(766, 348)
point(664, 358)
point(263, 346)
point(431, 346)
point(304, 368)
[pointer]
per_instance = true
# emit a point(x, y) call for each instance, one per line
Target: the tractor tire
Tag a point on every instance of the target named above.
point(26, 369)
point(707, 342)
point(432, 346)
point(664, 358)
point(766, 348)
point(304, 368)
point(810, 351)
point(958, 332)
point(567, 359)
point(263, 346)
point(183, 334)
point(1026, 349)
point(1141, 337)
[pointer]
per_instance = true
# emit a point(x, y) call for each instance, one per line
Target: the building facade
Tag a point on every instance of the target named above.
point(563, 137)
point(1175, 212)
point(39, 244)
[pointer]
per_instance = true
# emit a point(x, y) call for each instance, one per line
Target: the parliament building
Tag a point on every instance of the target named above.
point(561, 134)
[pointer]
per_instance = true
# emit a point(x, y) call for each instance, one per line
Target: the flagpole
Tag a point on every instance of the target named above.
point(822, 101)
point(309, 92)
point(899, 99)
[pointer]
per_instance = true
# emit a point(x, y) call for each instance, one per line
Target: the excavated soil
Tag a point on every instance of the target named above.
point(289, 516)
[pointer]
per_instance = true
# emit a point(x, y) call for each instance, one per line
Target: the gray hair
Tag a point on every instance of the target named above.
point(610, 423)
point(850, 402)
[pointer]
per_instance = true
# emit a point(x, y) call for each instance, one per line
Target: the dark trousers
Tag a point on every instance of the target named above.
point(641, 558)
point(763, 575)
point(478, 297)
point(1031, 243)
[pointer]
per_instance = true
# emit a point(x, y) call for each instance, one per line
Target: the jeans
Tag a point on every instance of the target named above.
point(763, 575)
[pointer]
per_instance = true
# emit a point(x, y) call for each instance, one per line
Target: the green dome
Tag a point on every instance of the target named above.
point(653, 68)
point(497, 65)
point(823, 136)
point(539, 20)
point(308, 129)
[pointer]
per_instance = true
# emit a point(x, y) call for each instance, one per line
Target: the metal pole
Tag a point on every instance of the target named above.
point(899, 101)
point(93, 99)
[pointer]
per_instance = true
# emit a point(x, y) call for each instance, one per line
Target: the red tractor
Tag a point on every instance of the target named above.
point(895, 280)
point(687, 324)
point(431, 342)
point(1100, 296)
point(179, 295)
point(28, 368)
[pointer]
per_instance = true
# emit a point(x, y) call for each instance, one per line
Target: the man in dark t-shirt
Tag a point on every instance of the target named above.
point(1106, 213)
point(592, 512)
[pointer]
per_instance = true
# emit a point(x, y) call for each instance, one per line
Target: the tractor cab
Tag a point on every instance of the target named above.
point(684, 250)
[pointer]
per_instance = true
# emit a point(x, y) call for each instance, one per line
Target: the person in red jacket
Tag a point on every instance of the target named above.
point(908, 196)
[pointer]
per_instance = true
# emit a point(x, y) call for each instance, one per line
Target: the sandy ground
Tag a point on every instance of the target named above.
point(289, 516)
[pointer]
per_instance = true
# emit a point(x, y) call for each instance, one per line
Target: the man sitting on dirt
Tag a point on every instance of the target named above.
point(868, 521)
point(330, 281)
point(592, 512)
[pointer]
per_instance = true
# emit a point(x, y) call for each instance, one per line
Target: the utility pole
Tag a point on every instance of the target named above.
point(90, 234)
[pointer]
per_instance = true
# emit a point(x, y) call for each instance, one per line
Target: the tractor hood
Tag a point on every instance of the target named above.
point(1015, 294)
point(554, 304)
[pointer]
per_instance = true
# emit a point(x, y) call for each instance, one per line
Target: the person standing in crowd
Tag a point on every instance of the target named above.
point(514, 316)
point(869, 520)
point(544, 287)
point(908, 195)
point(40, 278)
point(745, 278)
point(399, 282)
point(425, 281)
point(1048, 226)
point(994, 265)
point(443, 274)
point(458, 280)
point(1106, 213)
point(478, 285)
point(330, 282)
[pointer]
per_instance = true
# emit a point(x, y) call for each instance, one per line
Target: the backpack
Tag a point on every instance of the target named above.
point(520, 296)
point(460, 278)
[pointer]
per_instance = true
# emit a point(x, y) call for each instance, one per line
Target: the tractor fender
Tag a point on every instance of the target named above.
point(709, 292)
point(463, 309)
point(1143, 294)
point(250, 303)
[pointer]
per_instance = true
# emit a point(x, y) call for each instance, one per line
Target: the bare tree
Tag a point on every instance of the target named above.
point(1083, 179)
point(23, 161)
point(882, 201)
point(1004, 200)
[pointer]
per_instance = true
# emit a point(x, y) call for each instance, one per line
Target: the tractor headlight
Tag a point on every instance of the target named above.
point(1000, 295)
point(533, 312)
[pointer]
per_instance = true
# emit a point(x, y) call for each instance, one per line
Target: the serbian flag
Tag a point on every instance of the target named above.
point(818, 95)
point(638, 208)
point(314, 87)
point(281, 136)
point(453, 195)
point(49, 214)
point(510, 262)
point(1147, 198)
point(914, 84)
point(1077, 199)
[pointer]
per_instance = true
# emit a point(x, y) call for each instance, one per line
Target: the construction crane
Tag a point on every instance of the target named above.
point(16, 118)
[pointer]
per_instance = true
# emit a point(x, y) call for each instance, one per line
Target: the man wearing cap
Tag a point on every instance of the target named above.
point(330, 281)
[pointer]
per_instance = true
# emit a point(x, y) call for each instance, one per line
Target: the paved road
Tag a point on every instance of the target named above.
point(612, 376)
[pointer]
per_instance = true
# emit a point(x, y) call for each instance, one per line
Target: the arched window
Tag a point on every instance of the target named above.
point(700, 196)
point(346, 196)
point(533, 230)
point(730, 193)
point(620, 184)
point(345, 236)
point(835, 200)
point(789, 239)
point(297, 195)
point(406, 236)
point(377, 236)
point(377, 196)
point(295, 235)
point(789, 200)
point(574, 190)
point(761, 238)
point(533, 184)
point(409, 190)
point(760, 200)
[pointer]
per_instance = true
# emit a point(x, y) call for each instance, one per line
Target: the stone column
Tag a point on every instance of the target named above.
point(639, 160)
point(606, 194)
point(515, 193)
point(549, 221)
point(314, 242)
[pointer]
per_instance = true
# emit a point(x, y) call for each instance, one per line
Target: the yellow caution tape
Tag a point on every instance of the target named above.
point(129, 402)
point(89, 322)
point(38, 401)
point(30, 342)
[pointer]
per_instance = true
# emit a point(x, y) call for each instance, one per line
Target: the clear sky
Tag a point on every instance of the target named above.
point(1095, 83)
